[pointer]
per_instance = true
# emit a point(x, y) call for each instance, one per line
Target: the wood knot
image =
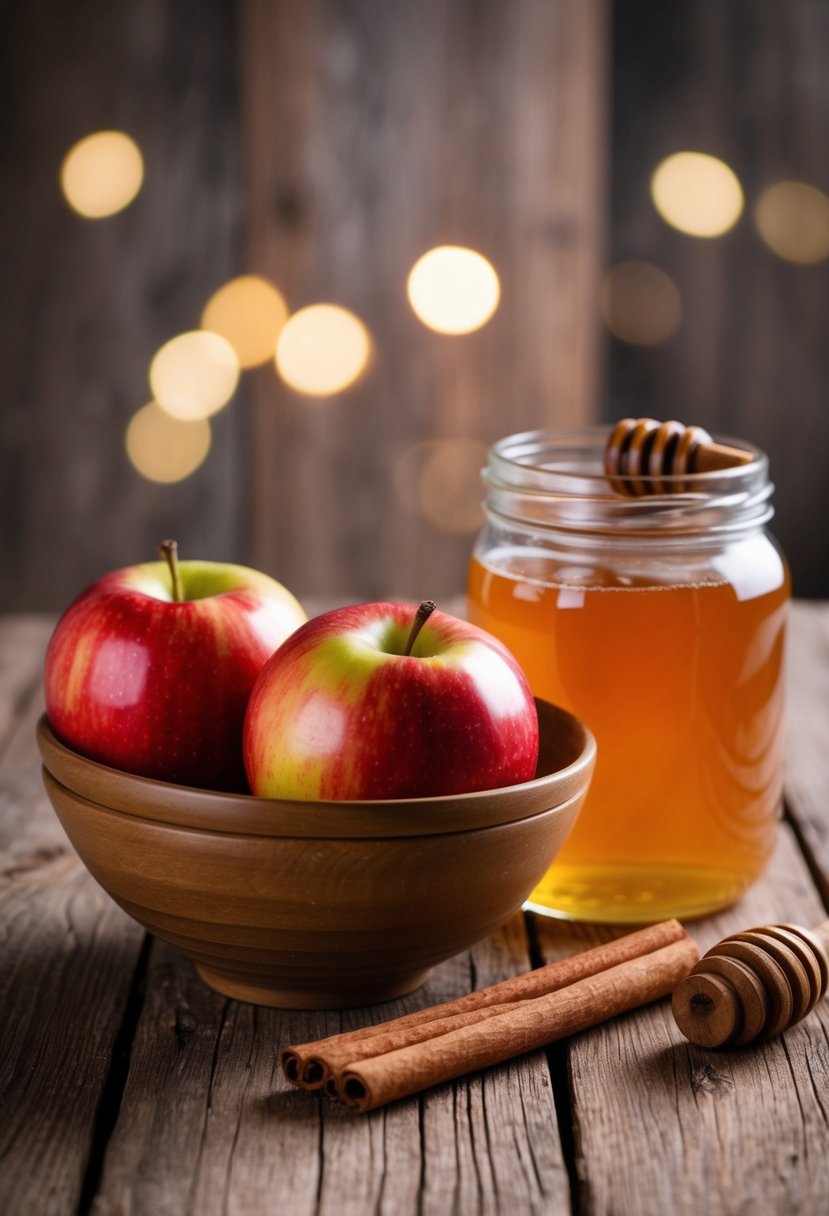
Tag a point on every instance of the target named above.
point(752, 986)
point(707, 1080)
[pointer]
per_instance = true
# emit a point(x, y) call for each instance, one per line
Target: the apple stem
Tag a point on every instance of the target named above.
point(168, 549)
point(422, 615)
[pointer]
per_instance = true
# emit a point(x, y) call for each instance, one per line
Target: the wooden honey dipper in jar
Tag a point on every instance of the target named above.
point(753, 985)
point(641, 451)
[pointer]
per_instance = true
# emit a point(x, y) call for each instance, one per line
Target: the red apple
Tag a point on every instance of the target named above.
point(150, 669)
point(371, 702)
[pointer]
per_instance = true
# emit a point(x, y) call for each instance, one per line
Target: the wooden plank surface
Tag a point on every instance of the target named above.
point(66, 967)
point(725, 1132)
point(209, 1125)
point(375, 131)
point(807, 772)
point(162, 1097)
point(663, 1126)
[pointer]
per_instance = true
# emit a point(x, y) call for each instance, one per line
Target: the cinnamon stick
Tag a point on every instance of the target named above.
point(314, 1065)
point(514, 1030)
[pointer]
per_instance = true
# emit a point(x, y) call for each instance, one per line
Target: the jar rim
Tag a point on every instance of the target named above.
point(556, 479)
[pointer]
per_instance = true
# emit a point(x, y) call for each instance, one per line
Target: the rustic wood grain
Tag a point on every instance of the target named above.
point(67, 958)
point(807, 769)
point(209, 1125)
point(373, 132)
point(662, 1126)
point(85, 304)
point(744, 80)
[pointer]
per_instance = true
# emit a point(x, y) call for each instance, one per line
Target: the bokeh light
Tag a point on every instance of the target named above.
point(640, 303)
point(249, 312)
point(163, 448)
point(697, 194)
point(440, 481)
point(793, 220)
point(322, 349)
point(194, 374)
point(453, 290)
point(102, 174)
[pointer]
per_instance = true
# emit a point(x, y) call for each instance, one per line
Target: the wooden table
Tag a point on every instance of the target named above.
point(129, 1087)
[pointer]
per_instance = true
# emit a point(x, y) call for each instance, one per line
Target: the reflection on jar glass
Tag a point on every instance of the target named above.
point(660, 622)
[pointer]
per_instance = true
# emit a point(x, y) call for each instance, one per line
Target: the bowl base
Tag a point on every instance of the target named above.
point(259, 993)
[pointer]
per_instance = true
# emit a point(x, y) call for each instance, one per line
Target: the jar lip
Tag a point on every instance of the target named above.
point(555, 480)
point(510, 447)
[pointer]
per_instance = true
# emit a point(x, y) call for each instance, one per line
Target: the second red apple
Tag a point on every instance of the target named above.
point(343, 711)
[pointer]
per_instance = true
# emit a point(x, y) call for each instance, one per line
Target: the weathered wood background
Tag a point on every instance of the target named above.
point(748, 81)
point(374, 132)
point(85, 305)
point(328, 145)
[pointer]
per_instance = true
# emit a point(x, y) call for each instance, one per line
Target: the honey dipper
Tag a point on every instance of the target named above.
point(644, 448)
point(753, 985)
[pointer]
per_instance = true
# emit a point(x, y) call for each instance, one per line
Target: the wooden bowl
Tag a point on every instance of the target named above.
point(316, 905)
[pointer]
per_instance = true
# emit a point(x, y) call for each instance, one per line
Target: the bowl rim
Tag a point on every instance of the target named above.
point(242, 814)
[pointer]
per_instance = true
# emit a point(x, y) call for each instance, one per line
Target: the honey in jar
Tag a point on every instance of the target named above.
point(660, 622)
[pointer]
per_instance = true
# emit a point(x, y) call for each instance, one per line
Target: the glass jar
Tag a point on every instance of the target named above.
point(659, 620)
